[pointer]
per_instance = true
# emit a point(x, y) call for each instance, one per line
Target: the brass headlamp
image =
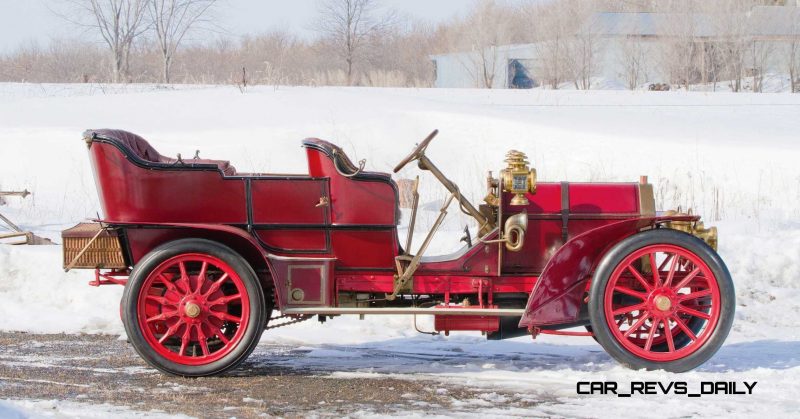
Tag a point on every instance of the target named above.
point(518, 178)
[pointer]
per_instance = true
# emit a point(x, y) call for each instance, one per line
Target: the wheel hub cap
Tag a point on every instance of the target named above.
point(663, 303)
point(192, 310)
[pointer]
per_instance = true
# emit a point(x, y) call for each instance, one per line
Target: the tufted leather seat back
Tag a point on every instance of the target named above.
point(133, 142)
point(142, 149)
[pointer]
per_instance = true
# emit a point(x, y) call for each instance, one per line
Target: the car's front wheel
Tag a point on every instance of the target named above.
point(661, 299)
point(193, 308)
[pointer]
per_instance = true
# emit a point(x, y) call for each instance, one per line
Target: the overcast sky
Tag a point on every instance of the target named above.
point(25, 20)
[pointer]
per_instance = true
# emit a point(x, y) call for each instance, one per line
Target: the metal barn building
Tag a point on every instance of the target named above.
point(519, 66)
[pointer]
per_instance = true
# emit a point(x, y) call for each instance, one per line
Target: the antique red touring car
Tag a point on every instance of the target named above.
point(207, 254)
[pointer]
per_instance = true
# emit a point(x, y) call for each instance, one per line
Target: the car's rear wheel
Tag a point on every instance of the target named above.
point(661, 299)
point(194, 308)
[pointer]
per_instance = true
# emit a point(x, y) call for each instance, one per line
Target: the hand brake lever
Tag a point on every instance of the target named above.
point(467, 237)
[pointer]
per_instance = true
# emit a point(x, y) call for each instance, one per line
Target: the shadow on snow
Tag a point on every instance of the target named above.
point(468, 354)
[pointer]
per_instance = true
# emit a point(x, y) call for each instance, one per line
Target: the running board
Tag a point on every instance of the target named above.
point(332, 311)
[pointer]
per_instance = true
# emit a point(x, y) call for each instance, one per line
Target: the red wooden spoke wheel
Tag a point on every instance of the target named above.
point(193, 307)
point(641, 336)
point(661, 299)
point(659, 305)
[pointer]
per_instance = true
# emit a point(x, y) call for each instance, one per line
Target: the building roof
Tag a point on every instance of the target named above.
point(645, 24)
point(776, 21)
point(759, 21)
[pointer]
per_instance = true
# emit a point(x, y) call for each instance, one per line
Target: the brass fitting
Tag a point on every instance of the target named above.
point(514, 231)
point(695, 228)
point(518, 178)
point(491, 197)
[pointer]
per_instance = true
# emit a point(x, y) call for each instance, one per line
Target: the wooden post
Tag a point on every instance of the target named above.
point(406, 187)
point(5, 220)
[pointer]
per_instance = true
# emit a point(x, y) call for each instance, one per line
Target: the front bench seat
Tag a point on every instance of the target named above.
point(142, 149)
point(344, 165)
point(338, 156)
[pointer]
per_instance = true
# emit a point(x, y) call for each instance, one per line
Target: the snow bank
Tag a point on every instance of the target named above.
point(36, 295)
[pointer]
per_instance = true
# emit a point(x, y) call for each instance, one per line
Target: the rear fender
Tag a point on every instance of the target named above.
point(142, 238)
point(557, 296)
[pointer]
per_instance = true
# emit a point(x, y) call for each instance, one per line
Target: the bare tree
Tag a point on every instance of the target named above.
point(714, 63)
point(405, 50)
point(348, 25)
point(730, 21)
point(680, 47)
point(761, 53)
point(553, 28)
point(582, 49)
point(633, 60)
point(484, 30)
point(61, 61)
point(118, 22)
point(741, 29)
point(633, 51)
point(171, 21)
point(793, 60)
point(789, 51)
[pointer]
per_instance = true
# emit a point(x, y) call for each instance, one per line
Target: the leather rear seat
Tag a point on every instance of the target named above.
point(141, 148)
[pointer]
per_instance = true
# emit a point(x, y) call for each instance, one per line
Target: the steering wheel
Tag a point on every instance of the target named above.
point(419, 151)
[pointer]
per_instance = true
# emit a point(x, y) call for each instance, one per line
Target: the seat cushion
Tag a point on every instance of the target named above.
point(223, 165)
point(142, 149)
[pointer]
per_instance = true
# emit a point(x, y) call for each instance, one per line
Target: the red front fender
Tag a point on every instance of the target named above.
point(557, 297)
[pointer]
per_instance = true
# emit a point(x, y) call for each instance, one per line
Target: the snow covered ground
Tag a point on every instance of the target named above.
point(731, 157)
point(38, 409)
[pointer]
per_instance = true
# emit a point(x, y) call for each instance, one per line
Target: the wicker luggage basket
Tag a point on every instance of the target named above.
point(91, 246)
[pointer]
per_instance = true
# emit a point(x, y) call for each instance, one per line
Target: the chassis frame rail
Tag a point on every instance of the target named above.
point(455, 311)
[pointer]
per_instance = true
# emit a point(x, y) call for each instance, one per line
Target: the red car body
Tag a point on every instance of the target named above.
point(320, 241)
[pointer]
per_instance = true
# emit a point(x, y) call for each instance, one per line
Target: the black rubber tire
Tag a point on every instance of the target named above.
point(255, 293)
point(601, 330)
point(694, 325)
